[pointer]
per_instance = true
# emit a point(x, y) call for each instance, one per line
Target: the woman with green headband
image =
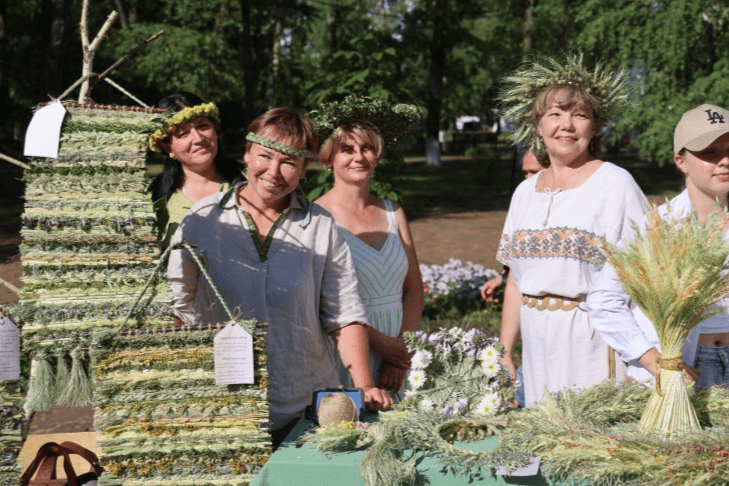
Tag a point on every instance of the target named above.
point(278, 259)
point(193, 165)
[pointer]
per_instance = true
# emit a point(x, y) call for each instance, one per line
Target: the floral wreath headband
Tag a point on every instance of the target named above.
point(208, 109)
point(608, 90)
point(391, 121)
point(281, 147)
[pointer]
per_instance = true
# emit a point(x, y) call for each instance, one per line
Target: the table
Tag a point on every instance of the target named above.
point(302, 465)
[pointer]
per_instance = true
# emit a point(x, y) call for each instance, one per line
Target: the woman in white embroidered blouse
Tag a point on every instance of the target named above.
point(701, 153)
point(278, 259)
point(555, 229)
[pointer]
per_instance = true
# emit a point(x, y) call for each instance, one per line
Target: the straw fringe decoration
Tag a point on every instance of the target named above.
point(675, 269)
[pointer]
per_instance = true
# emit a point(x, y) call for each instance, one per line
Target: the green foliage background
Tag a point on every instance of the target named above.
point(304, 52)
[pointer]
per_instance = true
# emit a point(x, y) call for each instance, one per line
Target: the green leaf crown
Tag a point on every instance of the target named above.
point(391, 121)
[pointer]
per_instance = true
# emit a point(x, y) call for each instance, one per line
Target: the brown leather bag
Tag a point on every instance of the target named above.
point(45, 463)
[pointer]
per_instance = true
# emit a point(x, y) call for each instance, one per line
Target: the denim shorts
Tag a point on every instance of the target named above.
point(714, 366)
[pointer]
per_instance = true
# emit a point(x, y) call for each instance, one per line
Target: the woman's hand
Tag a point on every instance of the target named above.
point(690, 374)
point(376, 399)
point(391, 378)
point(489, 288)
point(648, 360)
point(509, 363)
point(395, 352)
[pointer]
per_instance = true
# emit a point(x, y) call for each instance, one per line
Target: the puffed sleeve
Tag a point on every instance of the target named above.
point(183, 274)
point(340, 302)
point(611, 316)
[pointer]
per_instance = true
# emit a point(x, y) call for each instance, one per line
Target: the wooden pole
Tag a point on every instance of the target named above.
point(89, 50)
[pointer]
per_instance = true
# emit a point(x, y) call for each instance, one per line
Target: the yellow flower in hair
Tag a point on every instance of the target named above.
point(207, 109)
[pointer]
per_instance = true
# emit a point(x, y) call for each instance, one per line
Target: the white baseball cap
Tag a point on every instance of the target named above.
point(699, 128)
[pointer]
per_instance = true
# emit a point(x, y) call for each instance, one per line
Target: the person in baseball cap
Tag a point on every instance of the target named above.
point(701, 153)
point(699, 127)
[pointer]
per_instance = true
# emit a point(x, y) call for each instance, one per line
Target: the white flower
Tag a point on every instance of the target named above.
point(421, 359)
point(409, 394)
point(490, 369)
point(416, 378)
point(455, 332)
point(427, 405)
point(488, 405)
point(489, 355)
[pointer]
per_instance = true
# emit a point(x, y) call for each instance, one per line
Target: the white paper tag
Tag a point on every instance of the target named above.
point(532, 469)
point(9, 349)
point(44, 131)
point(233, 348)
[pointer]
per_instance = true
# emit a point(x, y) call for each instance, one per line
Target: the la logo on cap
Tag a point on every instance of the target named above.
point(714, 116)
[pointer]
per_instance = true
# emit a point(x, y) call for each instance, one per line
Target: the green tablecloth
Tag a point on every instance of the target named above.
point(296, 464)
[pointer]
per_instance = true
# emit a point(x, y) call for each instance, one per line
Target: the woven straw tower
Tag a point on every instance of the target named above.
point(89, 248)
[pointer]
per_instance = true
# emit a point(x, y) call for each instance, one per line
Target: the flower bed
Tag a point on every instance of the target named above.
point(453, 288)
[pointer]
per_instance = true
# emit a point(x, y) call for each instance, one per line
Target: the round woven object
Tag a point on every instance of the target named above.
point(337, 408)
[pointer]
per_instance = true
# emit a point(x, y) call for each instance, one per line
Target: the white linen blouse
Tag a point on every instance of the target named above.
point(305, 289)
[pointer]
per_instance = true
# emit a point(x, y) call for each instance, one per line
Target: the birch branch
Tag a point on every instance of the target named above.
point(83, 28)
point(123, 59)
point(90, 49)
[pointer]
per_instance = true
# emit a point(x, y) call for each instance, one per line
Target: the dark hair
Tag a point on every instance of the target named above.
point(165, 184)
point(288, 126)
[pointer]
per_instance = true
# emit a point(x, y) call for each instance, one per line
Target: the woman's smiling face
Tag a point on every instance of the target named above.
point(194, 143)
point(566, 130)
point(355, 161)
point(273, 175)
point(707, 170)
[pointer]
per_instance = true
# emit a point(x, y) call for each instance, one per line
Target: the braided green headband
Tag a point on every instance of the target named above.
point(283, 148)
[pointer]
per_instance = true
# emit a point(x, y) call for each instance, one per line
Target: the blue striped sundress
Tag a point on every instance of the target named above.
point(381, 274)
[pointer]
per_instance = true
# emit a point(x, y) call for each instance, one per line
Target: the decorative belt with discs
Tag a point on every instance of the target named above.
point(551, 302)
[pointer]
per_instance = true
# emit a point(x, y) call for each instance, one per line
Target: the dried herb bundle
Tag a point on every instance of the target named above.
point(674, 270)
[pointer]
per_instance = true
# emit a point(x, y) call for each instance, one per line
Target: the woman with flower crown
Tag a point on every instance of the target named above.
point(279, 259)
point(377, 233)
point(193, 165)
point(559, 220)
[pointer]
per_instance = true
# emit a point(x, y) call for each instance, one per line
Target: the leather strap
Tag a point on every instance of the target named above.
point(45, 463)
point(90, 457)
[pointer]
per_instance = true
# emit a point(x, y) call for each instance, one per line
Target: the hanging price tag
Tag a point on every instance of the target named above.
point(44, 131)
point(233, 348)
point(9, 349)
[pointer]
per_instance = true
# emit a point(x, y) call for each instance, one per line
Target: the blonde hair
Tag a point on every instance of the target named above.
point(333, 143)
point(570, 95)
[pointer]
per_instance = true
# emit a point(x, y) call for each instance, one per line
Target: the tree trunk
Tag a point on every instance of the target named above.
point(333, 47)
point(528, 28)
point(276, 52)
point(56, 49)
point(435, 85)
point(122, 14)
point(247, 62)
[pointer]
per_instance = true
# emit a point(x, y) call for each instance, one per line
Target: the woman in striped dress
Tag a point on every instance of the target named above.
point(379, 238)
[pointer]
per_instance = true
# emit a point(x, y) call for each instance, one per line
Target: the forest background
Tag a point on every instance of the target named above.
point(445, 56)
